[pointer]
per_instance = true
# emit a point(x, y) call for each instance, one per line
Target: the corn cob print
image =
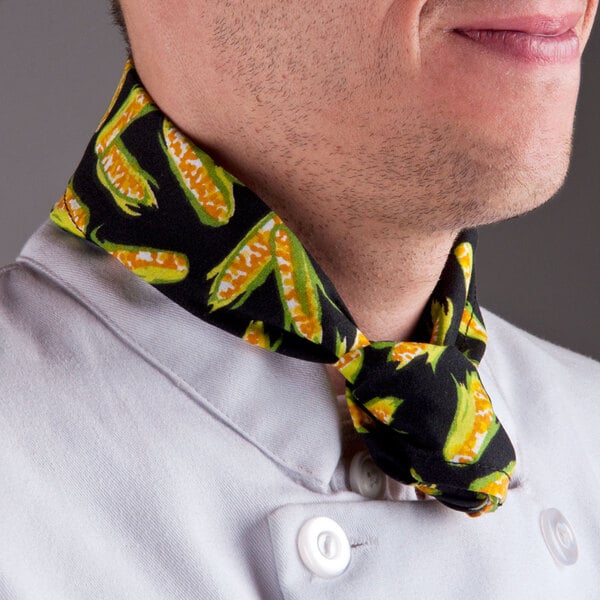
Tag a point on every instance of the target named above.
point(298, 285)
point(429, 489)
point(464, 254)
point(362, 422)
point(208, 188)
point(405, 352)
point(137, 105)
point(442, 316)
point(70, 213)
point(471, 326)
point(255, 335)
point(269, 246)
point(341, 343)
point(150, 264)
point(492, 488)
point(117, 169)
point(383, 409)
point(350, 364)
point(351, 361)
point(245, 268)
point(376, 410)
point(123, 177)
point(474, 424)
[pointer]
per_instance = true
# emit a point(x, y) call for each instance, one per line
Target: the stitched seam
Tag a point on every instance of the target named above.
point(180, 382)
point(10, 267)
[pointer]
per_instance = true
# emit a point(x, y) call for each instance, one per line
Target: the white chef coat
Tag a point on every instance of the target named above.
point(146, 454)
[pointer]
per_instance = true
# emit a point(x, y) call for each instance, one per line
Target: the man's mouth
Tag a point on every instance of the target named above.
point(540, 40)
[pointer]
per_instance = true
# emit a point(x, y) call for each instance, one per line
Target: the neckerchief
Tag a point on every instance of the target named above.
point(156, 202)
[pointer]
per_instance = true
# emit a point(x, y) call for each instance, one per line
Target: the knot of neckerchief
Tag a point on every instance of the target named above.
point(147, 195)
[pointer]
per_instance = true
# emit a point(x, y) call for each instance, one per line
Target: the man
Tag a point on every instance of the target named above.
point(250, 150)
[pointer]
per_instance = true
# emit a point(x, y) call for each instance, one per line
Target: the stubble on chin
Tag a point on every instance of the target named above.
point(435, 180)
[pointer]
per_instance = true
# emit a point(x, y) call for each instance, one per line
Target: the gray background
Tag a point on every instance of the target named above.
point(61, 60)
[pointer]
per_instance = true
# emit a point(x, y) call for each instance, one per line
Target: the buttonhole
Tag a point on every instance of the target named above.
point(359, 544)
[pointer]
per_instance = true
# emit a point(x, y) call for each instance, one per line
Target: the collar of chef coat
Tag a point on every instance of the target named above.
point(252, 390)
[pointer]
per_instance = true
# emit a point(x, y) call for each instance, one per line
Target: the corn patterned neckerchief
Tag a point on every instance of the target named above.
point(149, 196)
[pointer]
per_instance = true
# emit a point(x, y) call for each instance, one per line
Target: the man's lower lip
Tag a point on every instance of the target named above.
point(527, 47)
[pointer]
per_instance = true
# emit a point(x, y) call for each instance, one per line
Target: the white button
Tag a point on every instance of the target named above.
point(559, 537)
point(324, 547)
point(366, 478)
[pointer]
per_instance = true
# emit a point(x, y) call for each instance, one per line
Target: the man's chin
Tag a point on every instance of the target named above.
point(492, 206)
point(517, 183)
point(522, 195)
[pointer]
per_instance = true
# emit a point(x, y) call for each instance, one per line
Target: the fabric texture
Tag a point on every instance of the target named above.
point(151, 198)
